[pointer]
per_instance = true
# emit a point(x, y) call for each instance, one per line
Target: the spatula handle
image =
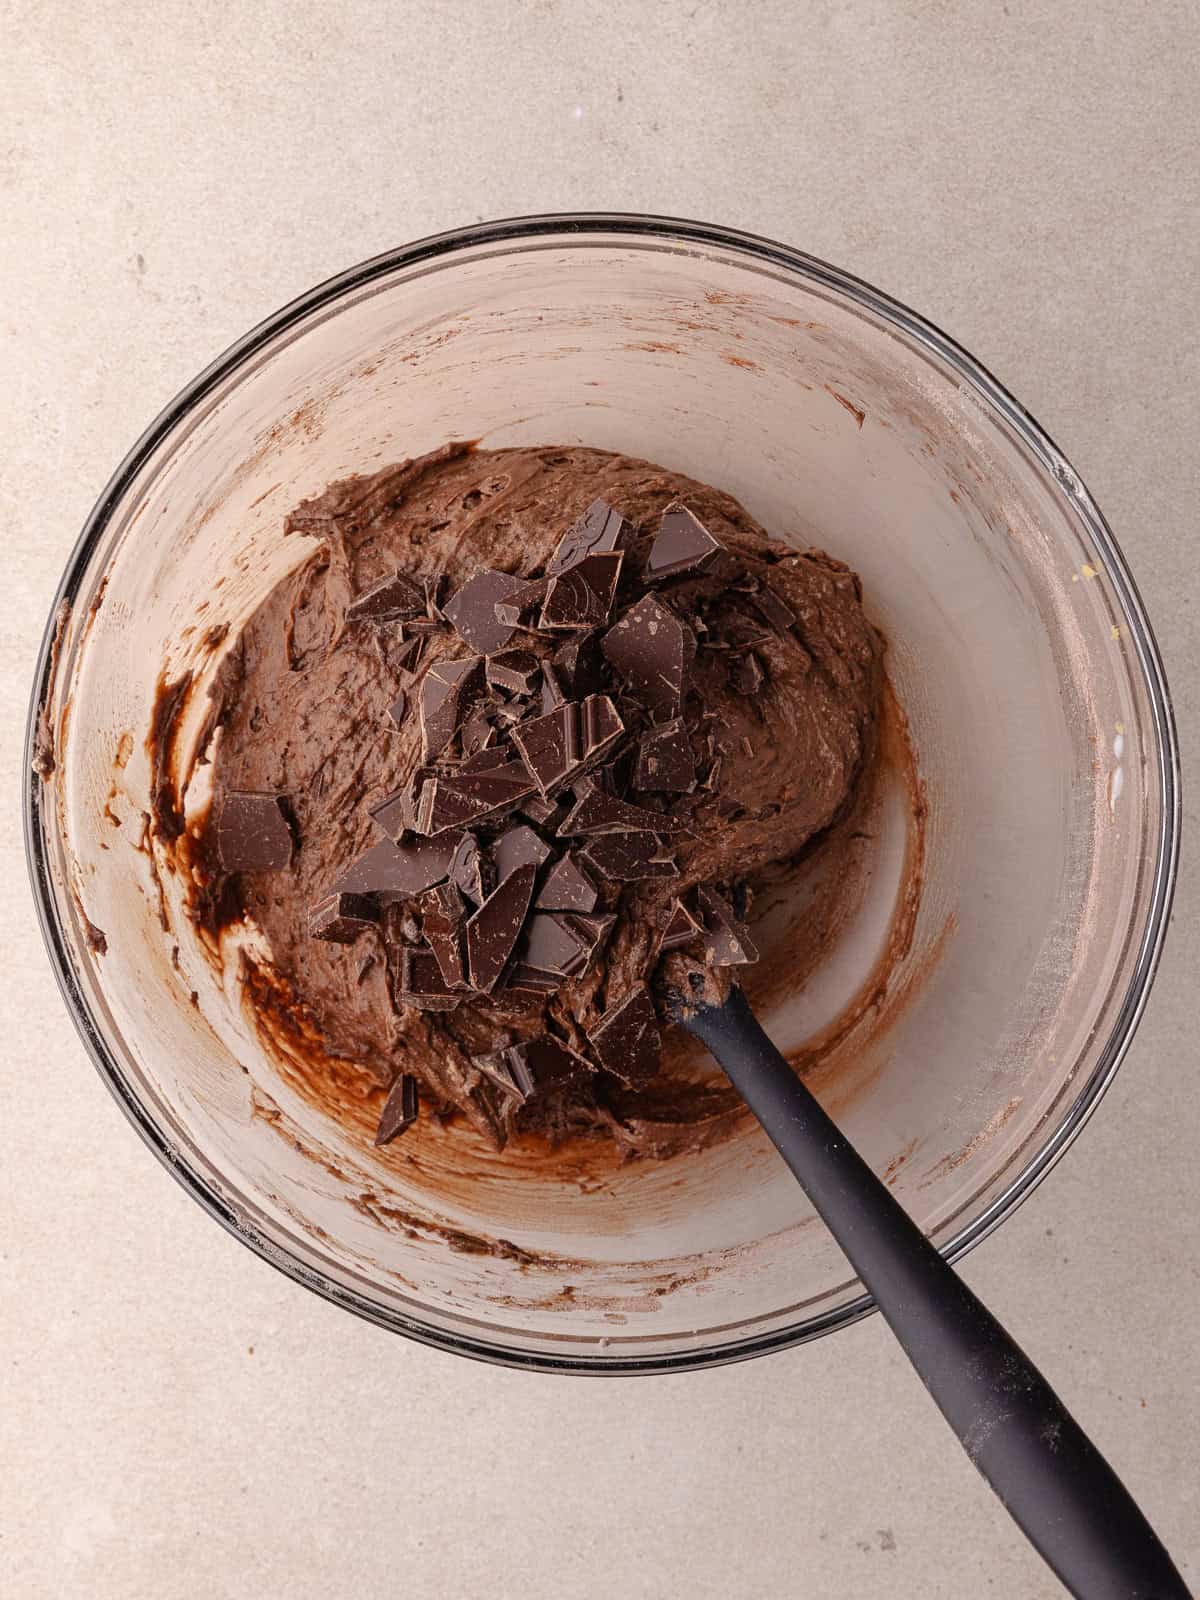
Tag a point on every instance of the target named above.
point(1054, 1482)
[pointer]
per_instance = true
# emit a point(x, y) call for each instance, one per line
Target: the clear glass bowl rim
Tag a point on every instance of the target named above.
point(650, 229)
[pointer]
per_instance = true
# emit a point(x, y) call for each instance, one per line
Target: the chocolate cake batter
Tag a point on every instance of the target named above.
point(721, 693)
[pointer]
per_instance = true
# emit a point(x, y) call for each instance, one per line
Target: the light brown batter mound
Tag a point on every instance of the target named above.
point(302, 705)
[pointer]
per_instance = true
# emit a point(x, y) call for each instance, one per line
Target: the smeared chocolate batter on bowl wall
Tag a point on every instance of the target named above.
point(521, 739)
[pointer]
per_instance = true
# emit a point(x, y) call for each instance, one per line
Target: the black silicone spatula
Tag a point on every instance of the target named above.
point(1055, 1483)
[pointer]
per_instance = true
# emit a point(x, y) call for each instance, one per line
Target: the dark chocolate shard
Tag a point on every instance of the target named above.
point(578, 665)
point(520, 605)
point(665, 761)
point(391, 599)
point(399, 870)
point(472, 611)
point(538, 809)
point(681, 929)
point(582, 596)
point(470, 871)
point(397, 709)
point(550, 744)
point(495, 928)
point(564, 741)
point(405, 654)
point(545, 1063)
point(653, 650)
point(340, 918)
point(597, 812)
point(522, 980)
point(478, 733)
point(484, 760)
point(727, 940)
point(627, 1041)
point(554, 688)
point(774, 608)
point(682, 544)
point(746, 674)
point(518, 846)
point(549, 944)
point(593, 931)
point(253, 833)
point(600, 727)
point(567, 888)
point(599, 530)
point(421, 983)
point(627, 857)
point(459, 799)
point(496, 1070)
point(399, 1109)
point(516, 671)
point(446, 691)
point(442, 916)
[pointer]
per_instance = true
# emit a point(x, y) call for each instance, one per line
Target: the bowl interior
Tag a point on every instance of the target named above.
point(1013, 648)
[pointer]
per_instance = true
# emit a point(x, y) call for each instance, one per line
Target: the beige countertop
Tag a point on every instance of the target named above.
point(176, 1419)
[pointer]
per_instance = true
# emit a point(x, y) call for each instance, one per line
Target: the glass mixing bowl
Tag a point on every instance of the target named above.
point(1018, 648)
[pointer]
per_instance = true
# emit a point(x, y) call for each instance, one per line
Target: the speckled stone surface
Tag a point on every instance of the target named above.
point(176, 1419)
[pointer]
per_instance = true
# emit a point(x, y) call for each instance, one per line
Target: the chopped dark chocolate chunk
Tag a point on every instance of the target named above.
point(496, 1070)
point(538, 809)
point(727, 940)
point(578, 665)
point(597, 812)
point(494, 929)
point(253, 833)
point(472, 611)
point(524, 981)
point(405, 869)
point(582, 596)
point(484, 760)
point(404, 654)
point(627, 1041)
point(746, 674)
point(421, 983)
point(550, 944)
point(683, 928)
point(446, 690)
point(391, 599)
point(627, 857)
point(397, 709)
point(478, 733)
point(458, 799)
point(435, 588)
point(567, 888)
point(340, 918)
point(682, 544)
point(469, 870)
point(544, 1063)
point(554, 690)
point(599, 530)
point(442, 916)
point(562, 741)
point(519, 606)
point(653, 651)
point(518, 846)
point(550, 744)
point(600, 727)
point(593, 931)
point(665, 761)
point(399, 1109)
point(774, 607)
point(517, 671)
